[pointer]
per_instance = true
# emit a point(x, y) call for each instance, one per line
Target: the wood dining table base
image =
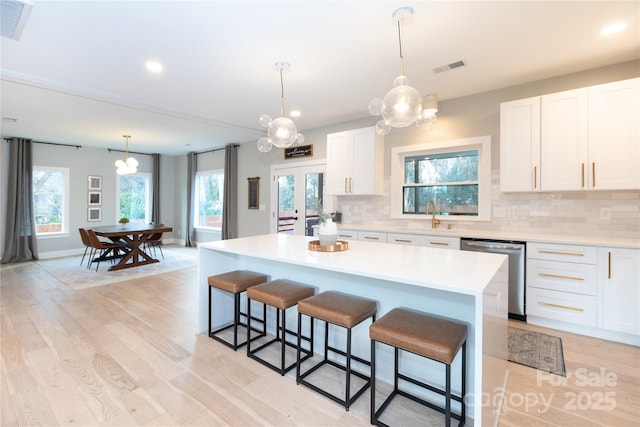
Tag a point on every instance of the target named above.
point(132, 239)
point(135, 257)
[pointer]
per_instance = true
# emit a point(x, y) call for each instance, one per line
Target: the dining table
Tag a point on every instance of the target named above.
point(130, 239)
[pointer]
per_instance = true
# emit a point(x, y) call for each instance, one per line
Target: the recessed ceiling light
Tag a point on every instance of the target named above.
point(154, 67)
point(613, 28)
point(295, 113)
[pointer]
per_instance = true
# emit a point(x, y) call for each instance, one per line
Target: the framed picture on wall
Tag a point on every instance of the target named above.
point(254, 192)
point(94, 214)
point(95, 198)
point(95, 182)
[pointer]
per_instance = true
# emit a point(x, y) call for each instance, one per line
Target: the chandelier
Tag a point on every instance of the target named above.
point(281, 132)
point(130, 165)
point(402, 106)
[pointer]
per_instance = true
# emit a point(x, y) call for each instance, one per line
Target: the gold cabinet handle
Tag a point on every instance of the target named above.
point(561, 253)
point(345, 185)
point(439, 243)
point(593, 174)
point(582, 175)
point(350, 185)
point(557, 276)
point(402, 240)
point(609, 265)
point(346, 236)
point(371, 238)
point(566, 307)
point(535, 177)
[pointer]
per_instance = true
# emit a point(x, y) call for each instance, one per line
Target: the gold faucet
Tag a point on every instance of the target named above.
point(434, 221)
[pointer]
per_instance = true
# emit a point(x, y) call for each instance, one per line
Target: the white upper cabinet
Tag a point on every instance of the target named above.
point(355, 162)
point(564, 140)
point(520, 145)
point(583, 139)
point(614, 135)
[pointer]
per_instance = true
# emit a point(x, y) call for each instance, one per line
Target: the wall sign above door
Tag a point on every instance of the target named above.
point(301, 151)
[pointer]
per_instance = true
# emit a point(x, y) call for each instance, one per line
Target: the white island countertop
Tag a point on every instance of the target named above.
point(455, 271)
point(471, 287)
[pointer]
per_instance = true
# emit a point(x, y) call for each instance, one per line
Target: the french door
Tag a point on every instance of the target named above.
point(297, 193)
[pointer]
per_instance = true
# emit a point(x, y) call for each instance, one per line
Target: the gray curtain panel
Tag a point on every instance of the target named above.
point(192, 168)
point(230, 195)
point(20, 242)
point(155, 200)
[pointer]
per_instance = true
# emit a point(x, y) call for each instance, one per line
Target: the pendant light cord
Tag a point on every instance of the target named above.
point(126, 150)
point(281, 95)
point(400, 45)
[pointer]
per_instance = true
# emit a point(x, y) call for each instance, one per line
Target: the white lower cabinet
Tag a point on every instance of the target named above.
point(557, 305)
point(443, 242)
point(587, 286)
point(562, 283)
point(404, 239)
point(620, 289)
point(372, 236)
point(347, 234)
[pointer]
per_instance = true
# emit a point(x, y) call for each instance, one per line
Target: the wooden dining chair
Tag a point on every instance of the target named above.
point(87, 244)
point(155, 241)
point(101, 247)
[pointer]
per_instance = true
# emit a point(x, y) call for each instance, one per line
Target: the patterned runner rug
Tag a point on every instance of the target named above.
point(536, 350)
point(69, 271)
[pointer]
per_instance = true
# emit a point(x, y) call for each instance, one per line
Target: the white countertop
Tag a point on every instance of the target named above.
point(501, 235)
point(454, 271)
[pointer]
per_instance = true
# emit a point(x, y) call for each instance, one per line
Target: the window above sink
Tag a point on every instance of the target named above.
point(455, 175)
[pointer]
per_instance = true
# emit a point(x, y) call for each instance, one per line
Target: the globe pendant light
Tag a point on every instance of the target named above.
point(281, 132)
point(130, 165)
point(402, 105)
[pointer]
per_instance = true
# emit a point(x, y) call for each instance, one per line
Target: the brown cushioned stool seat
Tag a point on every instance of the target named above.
point(343, 310)
point(281, 294)
point(434, 337)
point(234, 282)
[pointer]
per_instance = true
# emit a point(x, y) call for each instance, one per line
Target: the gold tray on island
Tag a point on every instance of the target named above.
point(340, 245)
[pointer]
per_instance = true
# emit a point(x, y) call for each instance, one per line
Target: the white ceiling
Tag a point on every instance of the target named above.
point(77, 74)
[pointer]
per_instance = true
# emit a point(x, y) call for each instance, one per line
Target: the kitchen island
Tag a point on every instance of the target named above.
point(467, 286)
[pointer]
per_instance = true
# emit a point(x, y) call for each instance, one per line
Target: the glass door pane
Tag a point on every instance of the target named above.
point(287, 213)
point(314, 194)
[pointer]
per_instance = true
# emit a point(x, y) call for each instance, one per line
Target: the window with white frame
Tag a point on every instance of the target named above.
point(50, 200)
point(208, 201)
point(455, 175)
point(134, 198)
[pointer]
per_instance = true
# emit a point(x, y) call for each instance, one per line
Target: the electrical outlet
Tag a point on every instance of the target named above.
point(605, 214)
point(499, 212)
point(355, 210)
point(386, 210)
point(512, 211)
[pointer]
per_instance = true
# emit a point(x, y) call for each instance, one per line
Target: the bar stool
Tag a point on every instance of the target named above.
point(234, 282)
point(281, 294)
point(434, 337)
point(342, 310)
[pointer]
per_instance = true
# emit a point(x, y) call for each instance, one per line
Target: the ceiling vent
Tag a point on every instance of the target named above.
point(448, 67)
point(14, 17)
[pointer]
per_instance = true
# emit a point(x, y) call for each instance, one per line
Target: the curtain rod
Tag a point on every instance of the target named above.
point(50, 143)
point(215, 149)
point(131, 152)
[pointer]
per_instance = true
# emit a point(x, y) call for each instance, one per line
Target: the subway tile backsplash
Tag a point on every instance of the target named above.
point(590, 213)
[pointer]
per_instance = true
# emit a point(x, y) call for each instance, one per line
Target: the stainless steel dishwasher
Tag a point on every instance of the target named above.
point(516, 252)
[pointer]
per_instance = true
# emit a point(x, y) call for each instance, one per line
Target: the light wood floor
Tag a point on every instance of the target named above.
point(127, 354)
